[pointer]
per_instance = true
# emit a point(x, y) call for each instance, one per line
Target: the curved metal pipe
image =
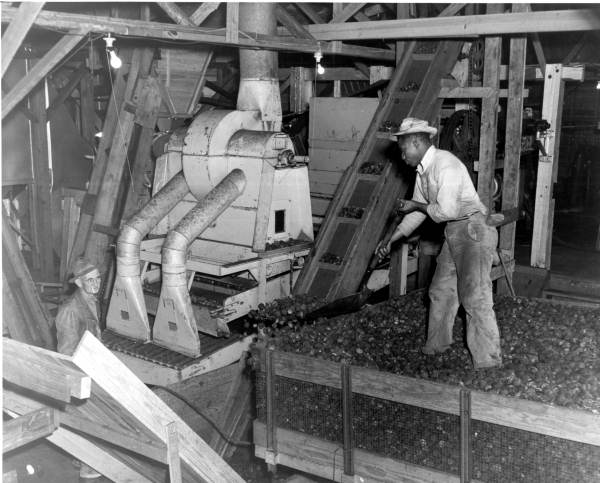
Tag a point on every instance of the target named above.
point(175, 325)
point(140, 224)
point(127, 313)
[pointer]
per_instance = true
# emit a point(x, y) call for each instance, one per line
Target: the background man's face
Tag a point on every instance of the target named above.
point(90, 282)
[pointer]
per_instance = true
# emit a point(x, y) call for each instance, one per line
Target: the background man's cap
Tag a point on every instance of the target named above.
point(412, 125)
point(81, 267)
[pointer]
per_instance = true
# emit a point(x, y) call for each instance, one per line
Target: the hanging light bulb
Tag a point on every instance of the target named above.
point(114, 59)
point(318, 57)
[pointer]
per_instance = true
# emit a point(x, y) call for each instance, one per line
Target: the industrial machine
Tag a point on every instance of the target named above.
point(229, 223)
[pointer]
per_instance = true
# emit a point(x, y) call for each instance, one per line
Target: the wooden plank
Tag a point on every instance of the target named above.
point(86, 108)
point(117, 465)
point(203, 11)
point(39, 71)
point(168, 31)
point(232, 20)
point(288, 20)
point(42, 371)
point(572, 54)
point(323, 458)
point(173, 453)
point(27, 428)
point(558, 422)
point(539, 51)
point(547, 168)
point(512, 146)
point(147, 408)
point(346, 12)
point(176, 13)
point(461, 26)
point(489, 117)
point(308, 10)
point(41, 189)
point(24, 292)
point(17, 30)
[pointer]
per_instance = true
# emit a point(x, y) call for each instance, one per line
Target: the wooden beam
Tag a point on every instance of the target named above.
point(464, 26)
point(176, 14)
point(539, 51)
point(29, 319)
point(166, 31)
point(173, 453)
point(106, 459)
point(576, 48)
point(543, 218)
point(310, 12)
point(203, 11)
point(17, 30)
point(41, 189)
point(512, 145)
point(67, 89)
point(489, 116)
point(289, 22)
point(43, 371)
point(29, 427)
point(39, 71)
point(232, 21)
point(146, 407)
point(346, 12)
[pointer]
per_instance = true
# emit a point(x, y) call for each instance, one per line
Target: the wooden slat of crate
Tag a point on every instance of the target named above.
point(574, 425)
point(325, 459)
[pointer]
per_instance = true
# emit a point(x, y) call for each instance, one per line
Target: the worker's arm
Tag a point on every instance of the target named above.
point(409, 223)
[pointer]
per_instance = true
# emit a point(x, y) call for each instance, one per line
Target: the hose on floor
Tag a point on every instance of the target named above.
point(200, 413)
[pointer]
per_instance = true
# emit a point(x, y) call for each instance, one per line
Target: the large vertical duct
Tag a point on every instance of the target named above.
point(259, 69)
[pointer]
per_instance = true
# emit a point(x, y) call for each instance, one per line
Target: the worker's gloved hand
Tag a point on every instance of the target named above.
point(383, 249)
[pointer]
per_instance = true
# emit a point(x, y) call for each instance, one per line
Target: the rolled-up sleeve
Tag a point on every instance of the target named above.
point(412, 221)
point(446, 207)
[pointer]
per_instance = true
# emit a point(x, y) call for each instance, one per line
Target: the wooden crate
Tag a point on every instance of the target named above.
point(277, 442)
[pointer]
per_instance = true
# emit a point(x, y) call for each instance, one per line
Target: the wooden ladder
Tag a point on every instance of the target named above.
point(359, 211)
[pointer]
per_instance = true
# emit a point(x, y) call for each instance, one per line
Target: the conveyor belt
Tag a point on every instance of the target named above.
point(160, 355)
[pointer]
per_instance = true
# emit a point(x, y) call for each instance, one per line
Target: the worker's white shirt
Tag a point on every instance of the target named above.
point(444, 184)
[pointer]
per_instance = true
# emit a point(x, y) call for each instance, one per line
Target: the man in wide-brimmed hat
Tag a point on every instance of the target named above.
point(444, 191)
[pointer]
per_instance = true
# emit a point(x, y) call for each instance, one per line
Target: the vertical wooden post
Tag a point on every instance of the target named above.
point(86, 111)
point(489, 115)
point(271, 410)
point(42, 183)
point(512, 149)
point(347, 416)
point(300, 89)
point(337, 84)
point(233, 19)
point(466, 463)
point(543, 218)
point(402, 11)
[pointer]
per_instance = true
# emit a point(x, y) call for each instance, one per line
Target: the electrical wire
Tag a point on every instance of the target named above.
point(204, 416)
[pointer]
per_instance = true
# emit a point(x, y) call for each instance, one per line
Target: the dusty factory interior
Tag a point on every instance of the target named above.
point(300, 242)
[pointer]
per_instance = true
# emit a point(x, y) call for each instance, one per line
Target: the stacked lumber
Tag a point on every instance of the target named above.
point(117, 425)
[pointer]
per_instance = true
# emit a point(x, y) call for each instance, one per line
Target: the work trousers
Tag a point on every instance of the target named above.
point(463, 274)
